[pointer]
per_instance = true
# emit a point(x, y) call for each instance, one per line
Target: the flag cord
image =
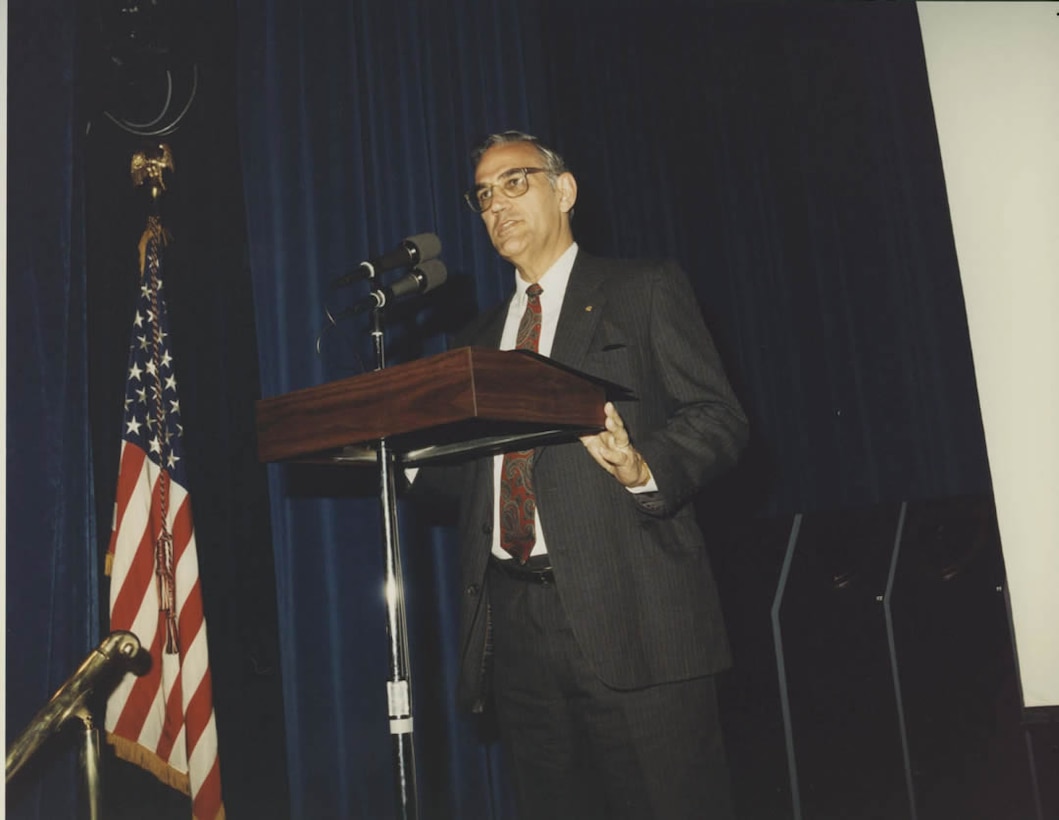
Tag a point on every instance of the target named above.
point(163, 557)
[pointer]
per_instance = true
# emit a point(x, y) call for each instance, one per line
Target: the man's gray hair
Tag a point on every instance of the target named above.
point(553, 163)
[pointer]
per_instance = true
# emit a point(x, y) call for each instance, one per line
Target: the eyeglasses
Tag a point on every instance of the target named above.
point(513, 183)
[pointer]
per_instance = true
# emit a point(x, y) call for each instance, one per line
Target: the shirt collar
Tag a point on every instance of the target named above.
point(553, 282)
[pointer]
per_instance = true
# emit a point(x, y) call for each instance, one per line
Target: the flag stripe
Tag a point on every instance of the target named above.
point(208, 794)
point(174, 718)
point(132, 458)
point(137, 587)
point(199, 706)
point(139, 701)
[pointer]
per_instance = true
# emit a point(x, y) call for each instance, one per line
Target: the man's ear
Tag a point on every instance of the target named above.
point(566, 185)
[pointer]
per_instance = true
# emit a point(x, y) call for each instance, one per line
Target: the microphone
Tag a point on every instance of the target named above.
point(119, 647)
point(421, 279)
point(413, 250)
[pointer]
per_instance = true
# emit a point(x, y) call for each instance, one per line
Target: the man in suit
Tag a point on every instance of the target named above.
point(590, 614)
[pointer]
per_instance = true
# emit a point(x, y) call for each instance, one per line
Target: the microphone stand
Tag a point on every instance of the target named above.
point(71, 702)
point(399, 684)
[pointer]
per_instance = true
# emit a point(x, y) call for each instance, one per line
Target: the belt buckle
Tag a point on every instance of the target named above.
point(512, 569)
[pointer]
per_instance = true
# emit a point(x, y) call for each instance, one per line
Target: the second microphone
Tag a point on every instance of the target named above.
point(423, 278)
point(412, 251)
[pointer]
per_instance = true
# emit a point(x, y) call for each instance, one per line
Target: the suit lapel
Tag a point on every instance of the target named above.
point(578, 319)
point(582, 308)
point(580, 315)
point(581, 311)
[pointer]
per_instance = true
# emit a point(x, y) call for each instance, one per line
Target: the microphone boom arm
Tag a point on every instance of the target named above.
point(70, 700)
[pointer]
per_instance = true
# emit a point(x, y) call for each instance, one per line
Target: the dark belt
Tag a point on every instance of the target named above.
point(535, 571)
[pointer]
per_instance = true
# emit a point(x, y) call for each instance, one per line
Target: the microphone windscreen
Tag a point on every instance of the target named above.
point(434, 274)
point(426, 244)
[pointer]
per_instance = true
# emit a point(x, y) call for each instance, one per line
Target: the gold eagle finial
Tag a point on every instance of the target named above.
point(150, 165)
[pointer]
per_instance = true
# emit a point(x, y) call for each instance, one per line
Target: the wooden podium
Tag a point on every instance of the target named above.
point(465, 402)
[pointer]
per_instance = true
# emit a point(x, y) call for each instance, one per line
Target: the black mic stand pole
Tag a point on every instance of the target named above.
point(399, 685)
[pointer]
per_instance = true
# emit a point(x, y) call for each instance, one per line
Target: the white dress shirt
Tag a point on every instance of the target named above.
point(553, 289)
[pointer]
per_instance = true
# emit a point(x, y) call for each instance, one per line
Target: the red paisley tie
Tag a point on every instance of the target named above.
point(517, 502)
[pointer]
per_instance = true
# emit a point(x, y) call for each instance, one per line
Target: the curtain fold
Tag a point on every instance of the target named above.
point(356, 122)
point(52, 596)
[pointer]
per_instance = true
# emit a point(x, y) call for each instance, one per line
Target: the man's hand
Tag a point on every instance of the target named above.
point(614, 453)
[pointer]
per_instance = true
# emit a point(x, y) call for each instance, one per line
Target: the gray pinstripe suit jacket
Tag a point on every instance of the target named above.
point(632, 570)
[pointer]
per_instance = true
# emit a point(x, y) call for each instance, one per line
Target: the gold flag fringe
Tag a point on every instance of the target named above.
point(146, 759)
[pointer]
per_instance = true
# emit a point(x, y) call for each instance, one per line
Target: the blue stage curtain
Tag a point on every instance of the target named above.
point(786, 156)
point(52, 572)
point(356, 121)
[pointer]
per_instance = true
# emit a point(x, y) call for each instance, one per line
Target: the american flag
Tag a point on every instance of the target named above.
point(163, 720)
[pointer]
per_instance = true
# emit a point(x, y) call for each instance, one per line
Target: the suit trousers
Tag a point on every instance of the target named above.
point(579, 749)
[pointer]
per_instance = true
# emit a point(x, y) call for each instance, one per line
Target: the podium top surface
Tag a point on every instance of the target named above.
point(465, 400)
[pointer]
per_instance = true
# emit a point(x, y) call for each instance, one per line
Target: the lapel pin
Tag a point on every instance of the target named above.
point(588, 308)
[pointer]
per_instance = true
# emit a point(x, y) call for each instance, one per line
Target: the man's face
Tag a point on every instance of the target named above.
point(532, 230)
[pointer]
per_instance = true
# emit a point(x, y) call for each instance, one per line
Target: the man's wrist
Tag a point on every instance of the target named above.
point(644, 481)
